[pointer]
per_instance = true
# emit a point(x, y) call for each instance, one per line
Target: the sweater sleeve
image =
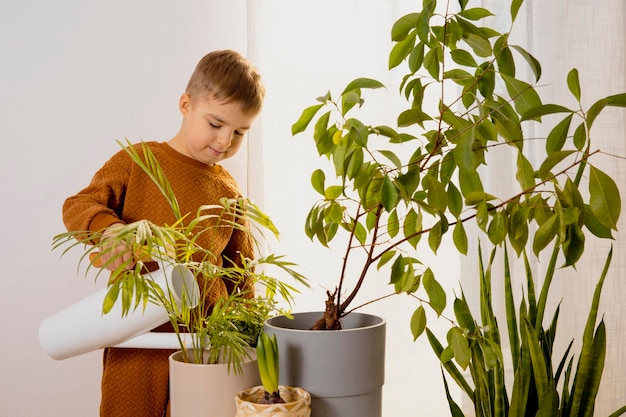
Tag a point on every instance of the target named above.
point(100, 204)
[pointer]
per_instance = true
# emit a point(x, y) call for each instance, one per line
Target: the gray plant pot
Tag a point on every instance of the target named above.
point(344, 370)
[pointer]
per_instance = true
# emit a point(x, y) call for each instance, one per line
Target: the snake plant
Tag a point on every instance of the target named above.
point(476, 344)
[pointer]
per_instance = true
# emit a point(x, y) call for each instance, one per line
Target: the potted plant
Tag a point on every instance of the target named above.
point(476, 345)
point(214, 336)
point(271, 399)
point(390, 191)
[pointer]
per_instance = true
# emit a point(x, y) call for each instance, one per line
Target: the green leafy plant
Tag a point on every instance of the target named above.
point(225, 330)
point(392, 190)
point(477, 345)
point(267, 359)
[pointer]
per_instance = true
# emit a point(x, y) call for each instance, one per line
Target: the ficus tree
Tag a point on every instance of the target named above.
point(392, 189)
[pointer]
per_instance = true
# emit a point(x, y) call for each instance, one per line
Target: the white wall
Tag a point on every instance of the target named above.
point(74, 77)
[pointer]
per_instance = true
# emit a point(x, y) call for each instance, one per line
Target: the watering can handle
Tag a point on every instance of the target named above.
point(142, 255)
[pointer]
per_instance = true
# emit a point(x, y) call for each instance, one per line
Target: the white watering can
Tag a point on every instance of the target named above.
point(82, 327)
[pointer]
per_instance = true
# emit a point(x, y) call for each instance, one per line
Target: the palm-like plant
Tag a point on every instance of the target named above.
point(222, 331)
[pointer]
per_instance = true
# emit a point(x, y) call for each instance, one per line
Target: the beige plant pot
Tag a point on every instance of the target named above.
point(297, 403)
point(207, 390)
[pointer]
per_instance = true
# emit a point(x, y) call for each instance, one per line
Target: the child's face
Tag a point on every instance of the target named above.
point(211, 131)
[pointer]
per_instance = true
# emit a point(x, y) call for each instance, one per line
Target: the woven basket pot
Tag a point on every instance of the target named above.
point(297, 403)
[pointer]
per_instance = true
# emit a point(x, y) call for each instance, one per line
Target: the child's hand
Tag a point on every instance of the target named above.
point(115, 253)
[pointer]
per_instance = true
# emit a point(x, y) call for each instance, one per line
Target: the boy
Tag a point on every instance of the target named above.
point(224, 95)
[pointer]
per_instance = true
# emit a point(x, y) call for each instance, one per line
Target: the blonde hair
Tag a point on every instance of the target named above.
point(227, 76)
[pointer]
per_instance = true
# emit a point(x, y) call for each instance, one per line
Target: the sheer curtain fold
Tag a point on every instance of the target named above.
point(591, 37)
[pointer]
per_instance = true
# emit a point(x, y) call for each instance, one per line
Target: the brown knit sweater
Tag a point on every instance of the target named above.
point(121, 191)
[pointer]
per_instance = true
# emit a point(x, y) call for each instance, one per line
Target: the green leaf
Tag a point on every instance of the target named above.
point(459, 76)
point(593, 349)
point(534, 64)
point(594, 376)
point(318, 178)
point(470, 183)
point(518, 230)
point(373, 193)
point(455, 200)
point(389, 195)
point(385, 257)
point(540, 369)
point(497, 228)
point(436, 194)
point(476, 13)
point(464, 315)
point(432, 60)
point(558, 135)
point(323, 140)
point(305, 119)
point(436, 233)
point(349, 99)
point(459, 236)
point(604, 200)
point(355, 162)
point(110, 297)
point(416, 58)
point(408, 182)
point(618, 100)
point(411, 117)
point(392, 157)
point(460, 346)
point(455, 410)
point(401, 50)
point(595, 227)
point(393, 224)
point(545, 233)
point(523, 94)
point(462, 57)
point(447, 364)
point(403, 26)
point(359, 83)
point(479, 45)
point(360, 233)
point(574, 244)
point(580, 136)
point(535, 113)
point(515, 5)
point(525, 174)
point(418, 322)
point(464, 153)
point(333, 192)
point(551, 161)
point(573, 83)
point(506, 62)
point(436, 293)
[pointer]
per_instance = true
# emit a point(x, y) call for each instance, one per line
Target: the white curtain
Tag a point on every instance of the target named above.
point(591, 37)
point(305, 49)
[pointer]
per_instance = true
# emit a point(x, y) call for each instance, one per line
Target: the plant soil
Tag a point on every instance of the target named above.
point(273, 398)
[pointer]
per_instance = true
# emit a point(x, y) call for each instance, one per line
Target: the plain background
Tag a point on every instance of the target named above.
point(75, 76)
